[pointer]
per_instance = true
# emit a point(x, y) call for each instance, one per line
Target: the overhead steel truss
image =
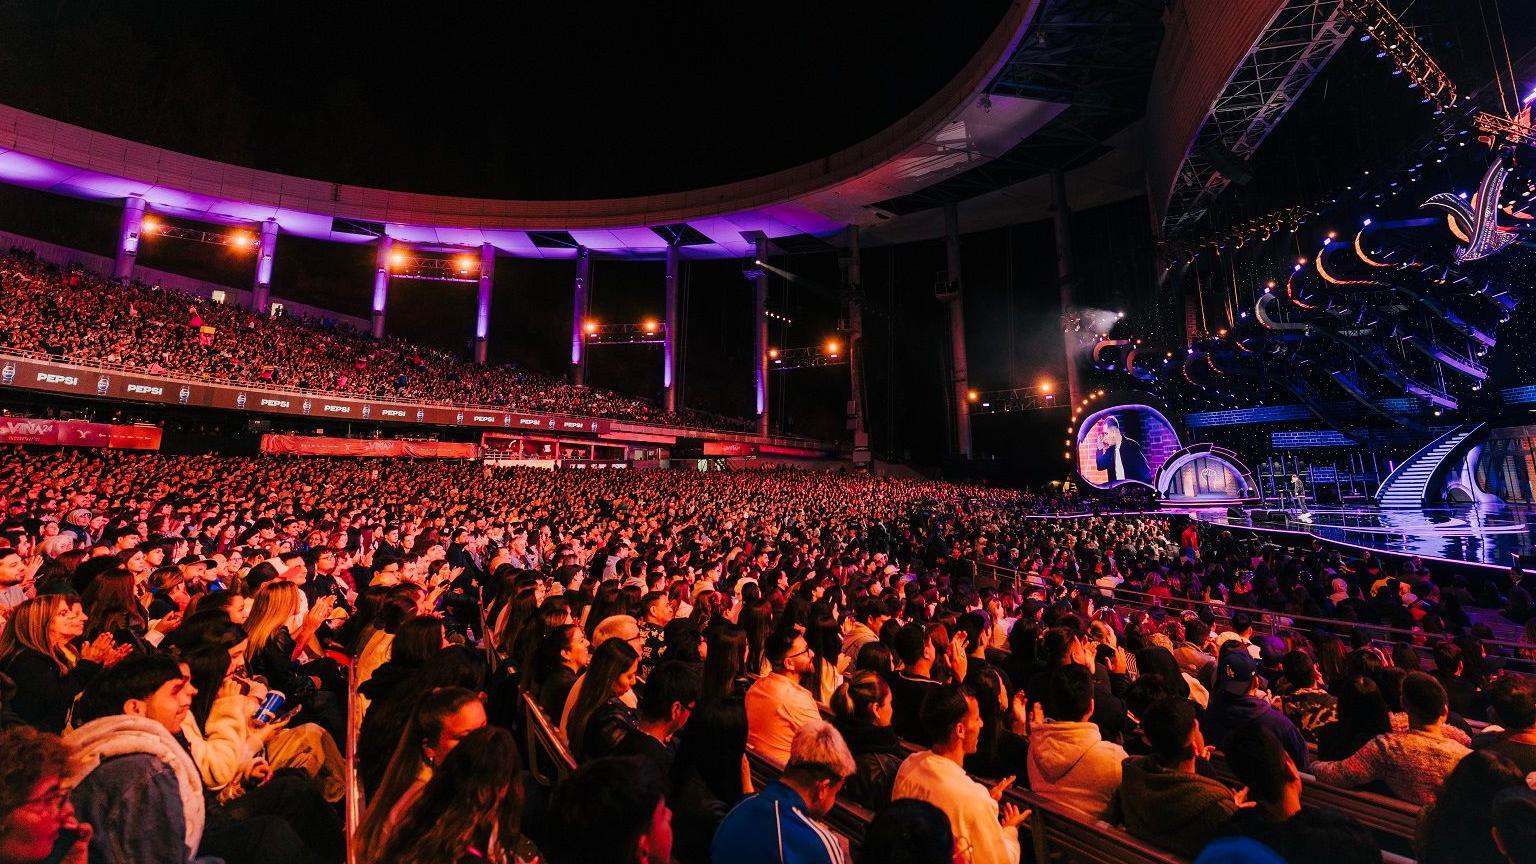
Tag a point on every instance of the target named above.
point(1095, 56)
point(1017, 399)
point(810, 357)
point(1296, 45)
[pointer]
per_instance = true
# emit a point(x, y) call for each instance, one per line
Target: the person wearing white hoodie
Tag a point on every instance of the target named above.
point(1069, 761)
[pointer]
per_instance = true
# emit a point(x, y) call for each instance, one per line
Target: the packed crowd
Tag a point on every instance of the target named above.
point(180, 632)
point(80, 316)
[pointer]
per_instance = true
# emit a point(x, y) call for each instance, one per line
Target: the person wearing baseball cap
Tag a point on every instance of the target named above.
point(1235, 704)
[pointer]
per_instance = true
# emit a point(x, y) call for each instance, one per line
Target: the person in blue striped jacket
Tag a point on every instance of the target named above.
point(780, 825)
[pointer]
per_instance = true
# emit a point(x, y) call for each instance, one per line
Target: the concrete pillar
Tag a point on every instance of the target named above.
point(760, 335)
point(669, 370)
point(856, 407)
point(579, 315)
point(1067, 281)
point(128, 238)
point(261, 288)
point(386, 246)
point(957, 332)
point(483, 300)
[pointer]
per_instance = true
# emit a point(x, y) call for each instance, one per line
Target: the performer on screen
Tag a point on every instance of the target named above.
point(1121, 456)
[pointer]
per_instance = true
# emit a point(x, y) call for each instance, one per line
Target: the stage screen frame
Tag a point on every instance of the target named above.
point(1164, 444)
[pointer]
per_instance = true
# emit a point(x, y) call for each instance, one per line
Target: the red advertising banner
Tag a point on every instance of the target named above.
point(135, 437)
point(77, 433)
point(315, 445)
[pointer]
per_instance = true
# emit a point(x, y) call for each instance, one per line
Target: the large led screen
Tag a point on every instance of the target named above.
point(1124, 444)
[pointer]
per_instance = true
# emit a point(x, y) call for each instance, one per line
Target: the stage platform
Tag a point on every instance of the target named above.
point(1457, 535)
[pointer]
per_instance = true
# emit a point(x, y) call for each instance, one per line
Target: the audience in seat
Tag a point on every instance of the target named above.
point(599, 718)
point(952, 722)
point(1236, 704)
point(1458, 827)
point(449, 580)
point(469, 812)
point(37, 653)
point(1069, 760)
point(163, 331)
point(862, 708)
point(1412, 764)
point(1512, 707)
point(1271, 785)
point(37, 817)
point(611, 811)
point(1301, 695)
point(444, 717)
point(911, 832)
point(913, 682)
point(779, 825)
point(1162, 799)
point(1514, 825)
point(777, 705)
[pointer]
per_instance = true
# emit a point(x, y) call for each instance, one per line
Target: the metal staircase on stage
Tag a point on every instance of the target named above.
point(1409, 485)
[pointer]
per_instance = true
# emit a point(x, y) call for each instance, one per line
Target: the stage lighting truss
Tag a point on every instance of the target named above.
point(460, 268)
point(1299, 42)
point(809, 357)
point(648, 333)
point(239, 239)
point(1513, 130)
point(1398, 42)
point(1017, 399)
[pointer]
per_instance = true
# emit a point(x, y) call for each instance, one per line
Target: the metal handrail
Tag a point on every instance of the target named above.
point(353, 800)
point(1260, 616)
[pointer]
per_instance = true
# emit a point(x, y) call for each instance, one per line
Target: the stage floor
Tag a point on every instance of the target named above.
point(1454, 534)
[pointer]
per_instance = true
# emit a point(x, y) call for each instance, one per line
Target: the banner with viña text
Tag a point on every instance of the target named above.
point(78, 433)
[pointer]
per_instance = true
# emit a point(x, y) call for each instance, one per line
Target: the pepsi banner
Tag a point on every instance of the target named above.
point(31, 374)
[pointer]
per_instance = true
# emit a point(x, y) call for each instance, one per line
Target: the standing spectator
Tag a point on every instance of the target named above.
point(1068, 759)
point(1411, 763)
point(952, 720)
point(780, 824)
point(777, 706)
point(1162, 799)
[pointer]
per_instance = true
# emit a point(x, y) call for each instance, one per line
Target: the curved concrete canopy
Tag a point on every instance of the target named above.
point(953, 131)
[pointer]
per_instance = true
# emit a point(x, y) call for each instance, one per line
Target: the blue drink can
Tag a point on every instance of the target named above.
point(266, 712)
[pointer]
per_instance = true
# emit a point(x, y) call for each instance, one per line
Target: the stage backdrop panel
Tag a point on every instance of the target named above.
point(1124, 444)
